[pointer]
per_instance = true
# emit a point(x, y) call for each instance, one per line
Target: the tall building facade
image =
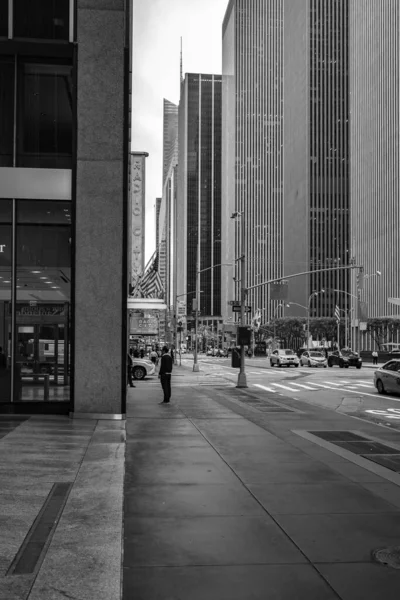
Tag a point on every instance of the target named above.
point(317, 152)
point(252, 169)
point(64, 135)
point(166, 225)
point(374, 69)
point(198, 207)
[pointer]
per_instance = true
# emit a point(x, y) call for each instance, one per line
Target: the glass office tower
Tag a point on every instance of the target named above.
point(199, 193)
point(47, 202)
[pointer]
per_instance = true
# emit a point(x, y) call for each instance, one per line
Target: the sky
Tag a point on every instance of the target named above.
point(158, 26)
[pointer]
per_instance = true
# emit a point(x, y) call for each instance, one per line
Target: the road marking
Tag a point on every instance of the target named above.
point(326, 387)
point(263, 387)
point(389, 413)
point(285, 387)
point(368, 385)
point(306, 387)
point(333, 383)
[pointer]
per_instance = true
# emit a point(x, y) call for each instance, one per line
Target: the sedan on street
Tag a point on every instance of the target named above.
point(345, 358)
point(282, 358)
point(313, 358)
point(387, 377)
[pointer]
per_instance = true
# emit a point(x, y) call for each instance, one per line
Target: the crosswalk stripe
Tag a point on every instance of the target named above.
point(285, 387)
point(326, 387)
point(263, 387)
point(333, 383)
point(306, 387)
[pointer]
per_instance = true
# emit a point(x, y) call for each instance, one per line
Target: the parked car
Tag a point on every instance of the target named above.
point(142, 367)
point(313, 358)
point(284, 357)
point(345, 358)
point(387, 377)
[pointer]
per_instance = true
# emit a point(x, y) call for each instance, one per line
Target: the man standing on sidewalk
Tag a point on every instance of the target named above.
point(164, 374)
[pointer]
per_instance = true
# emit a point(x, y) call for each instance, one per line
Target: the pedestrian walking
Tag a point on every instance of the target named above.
point(129, 370)
point(172, 354)
point(166, 365)
point(374, 357)
point(153, 356)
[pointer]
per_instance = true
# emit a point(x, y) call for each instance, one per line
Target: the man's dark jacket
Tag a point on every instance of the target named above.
point(165, 365)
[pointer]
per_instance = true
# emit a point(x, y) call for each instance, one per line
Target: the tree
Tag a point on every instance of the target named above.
point(325, 327)
point(290, 329)
point(383, 330)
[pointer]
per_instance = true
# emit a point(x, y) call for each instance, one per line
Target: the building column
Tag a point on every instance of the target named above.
point(100, 256)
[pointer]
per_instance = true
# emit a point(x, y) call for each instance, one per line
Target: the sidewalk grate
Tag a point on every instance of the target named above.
point(339, 436)
point(260, 404)
point(383, 455)
point(31, 553)
point(391, 461)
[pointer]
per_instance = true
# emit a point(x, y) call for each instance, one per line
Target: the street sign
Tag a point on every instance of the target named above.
point(234, 302)
point(236, 308)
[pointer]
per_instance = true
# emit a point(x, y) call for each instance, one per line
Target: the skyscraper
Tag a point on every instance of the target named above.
point(374, 69)
point(165, 223)
point(198, 212)
point(252, 170)
point(316, 146)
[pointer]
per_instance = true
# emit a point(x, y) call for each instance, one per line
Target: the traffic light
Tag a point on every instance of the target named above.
point(360, 278)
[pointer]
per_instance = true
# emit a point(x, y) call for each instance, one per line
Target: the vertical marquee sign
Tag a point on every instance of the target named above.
point(137, 215)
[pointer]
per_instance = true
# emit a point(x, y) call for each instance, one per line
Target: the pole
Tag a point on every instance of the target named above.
point(338, 333)
point(345, 329)
point(180, 347)
point(308, 325)
point(242, 381)
point(195, 363)
point(358, 333)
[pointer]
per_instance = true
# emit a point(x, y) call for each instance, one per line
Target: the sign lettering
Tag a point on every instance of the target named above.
point(2, 246)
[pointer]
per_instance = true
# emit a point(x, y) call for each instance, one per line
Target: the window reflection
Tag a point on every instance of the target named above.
point(41, 19)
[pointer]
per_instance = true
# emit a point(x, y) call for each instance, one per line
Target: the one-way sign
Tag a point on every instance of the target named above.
point(236, 308)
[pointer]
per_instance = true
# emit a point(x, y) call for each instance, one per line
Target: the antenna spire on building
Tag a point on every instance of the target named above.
point(181, 69)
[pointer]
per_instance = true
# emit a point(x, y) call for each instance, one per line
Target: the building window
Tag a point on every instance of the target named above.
point(6, 110)
point(3, 18)
point(44, 131)
point(41, 19)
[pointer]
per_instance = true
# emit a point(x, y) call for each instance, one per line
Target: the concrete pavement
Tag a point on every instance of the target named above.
point(224, 494)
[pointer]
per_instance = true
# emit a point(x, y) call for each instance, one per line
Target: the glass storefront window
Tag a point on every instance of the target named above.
point(5, 298)
point(43, 294)
point(3, 18)
point(6, 110)
point(44, 133)
point(41, 19)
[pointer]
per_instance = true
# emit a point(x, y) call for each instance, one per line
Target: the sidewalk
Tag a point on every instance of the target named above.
point(227, 495)
point(219, 507)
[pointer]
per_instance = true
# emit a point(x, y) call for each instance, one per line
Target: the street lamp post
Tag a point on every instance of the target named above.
point(242, 380)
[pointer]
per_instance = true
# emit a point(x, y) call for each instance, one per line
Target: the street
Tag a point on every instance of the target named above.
point(349, 391)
